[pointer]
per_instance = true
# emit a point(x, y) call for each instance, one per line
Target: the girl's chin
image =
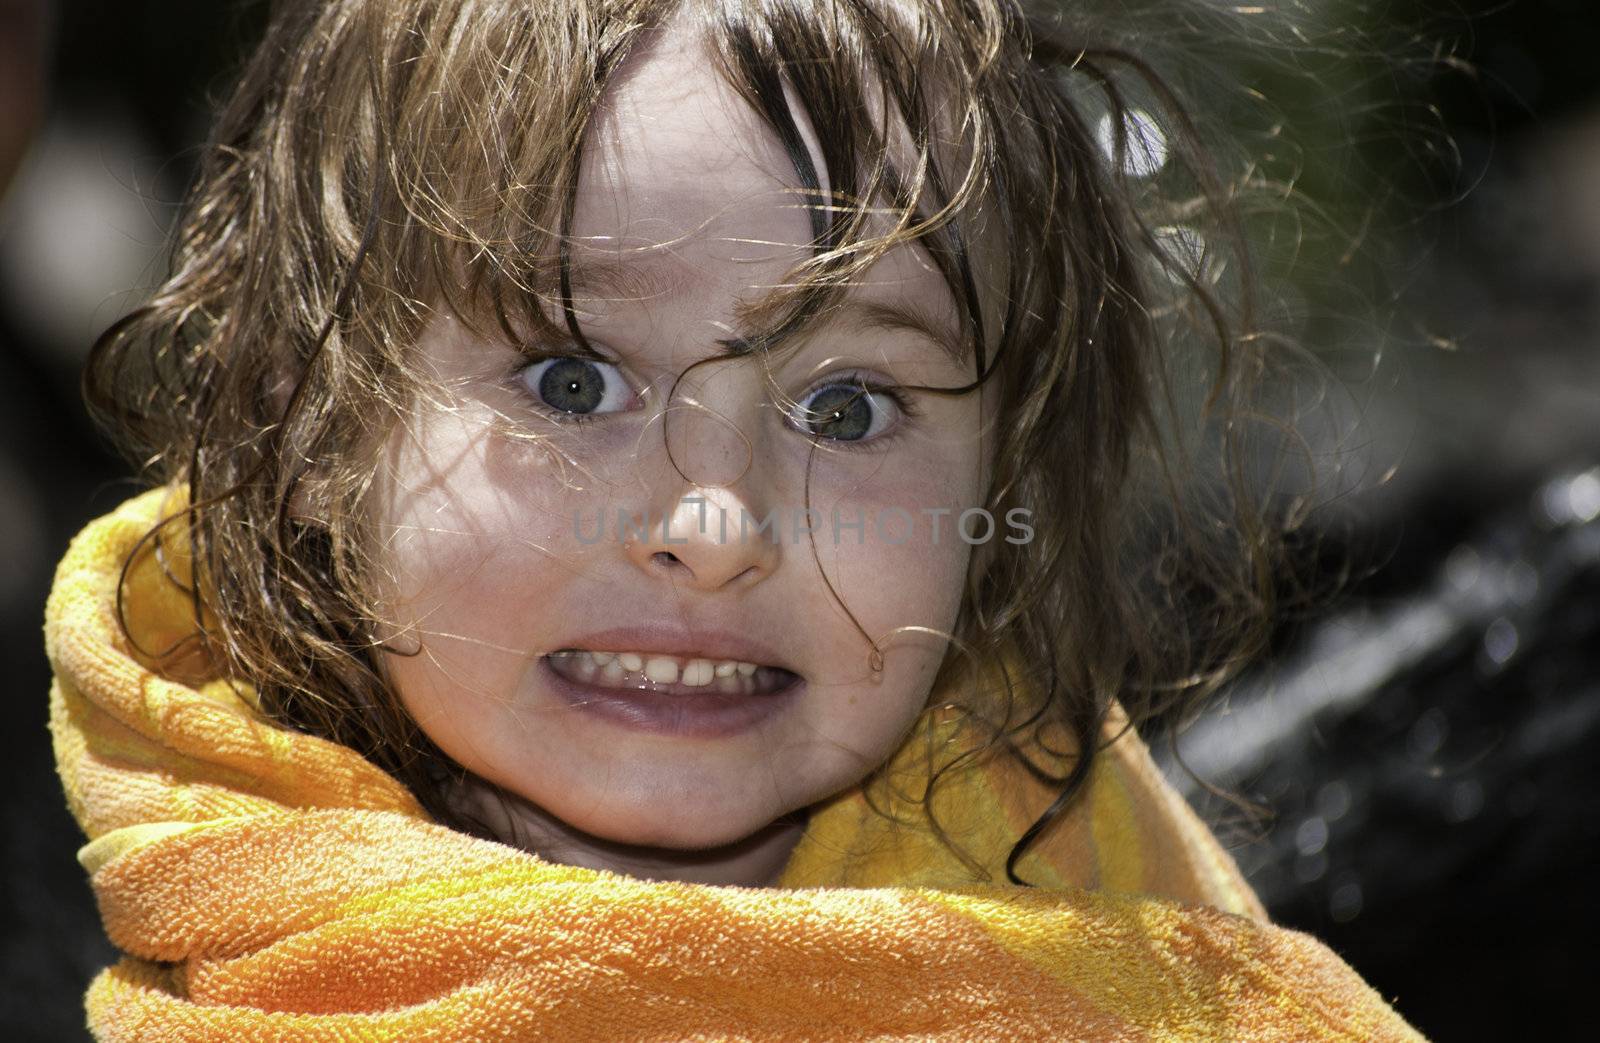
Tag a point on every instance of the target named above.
point(677, 828)
point(664, 818)
point(671, 848)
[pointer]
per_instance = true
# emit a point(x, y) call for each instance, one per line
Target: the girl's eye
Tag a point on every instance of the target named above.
point(850, 411)
point(580, 386)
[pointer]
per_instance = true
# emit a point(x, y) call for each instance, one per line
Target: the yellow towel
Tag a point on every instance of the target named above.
point(268, 885)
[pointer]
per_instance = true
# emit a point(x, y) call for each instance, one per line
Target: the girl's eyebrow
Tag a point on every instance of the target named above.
point(866, 315)
point(607, 280)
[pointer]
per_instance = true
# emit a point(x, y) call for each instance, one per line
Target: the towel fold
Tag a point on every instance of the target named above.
point(270, 885)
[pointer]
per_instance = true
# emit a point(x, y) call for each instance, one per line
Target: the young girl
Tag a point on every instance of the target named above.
point(665, 512)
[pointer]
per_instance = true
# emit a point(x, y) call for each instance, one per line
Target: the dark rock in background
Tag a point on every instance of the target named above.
point(1429, 759)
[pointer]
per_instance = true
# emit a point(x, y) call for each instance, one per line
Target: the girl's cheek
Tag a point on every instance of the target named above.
point(905, 539)
point(471, 517)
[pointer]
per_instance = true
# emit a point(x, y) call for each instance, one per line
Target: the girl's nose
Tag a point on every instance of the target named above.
point(709, 540)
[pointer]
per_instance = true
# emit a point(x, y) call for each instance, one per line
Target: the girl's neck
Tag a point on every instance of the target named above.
point(755, 861)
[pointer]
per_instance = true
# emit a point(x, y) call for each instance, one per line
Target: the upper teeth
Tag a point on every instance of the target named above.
point(664, 669)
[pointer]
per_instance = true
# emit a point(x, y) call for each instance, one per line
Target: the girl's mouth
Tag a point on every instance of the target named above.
point(668, 674)
point(671, 694)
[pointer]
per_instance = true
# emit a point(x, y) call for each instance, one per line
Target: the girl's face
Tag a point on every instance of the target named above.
point(506, 550)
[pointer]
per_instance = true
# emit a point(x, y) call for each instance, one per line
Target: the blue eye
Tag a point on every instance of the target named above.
point(581, 386)
point(846, 411)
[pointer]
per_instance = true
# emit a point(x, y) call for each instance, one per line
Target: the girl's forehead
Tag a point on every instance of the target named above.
point(674, 154)
point(683, 183)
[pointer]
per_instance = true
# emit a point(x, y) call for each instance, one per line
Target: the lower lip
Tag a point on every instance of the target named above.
point(708, 716)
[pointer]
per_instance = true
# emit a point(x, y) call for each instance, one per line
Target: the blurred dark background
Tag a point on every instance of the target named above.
point(1427, 741)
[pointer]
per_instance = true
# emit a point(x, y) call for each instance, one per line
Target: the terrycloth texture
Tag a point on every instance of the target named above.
point(272, 886)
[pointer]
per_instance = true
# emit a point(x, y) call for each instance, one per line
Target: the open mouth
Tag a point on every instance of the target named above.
point(669, 675)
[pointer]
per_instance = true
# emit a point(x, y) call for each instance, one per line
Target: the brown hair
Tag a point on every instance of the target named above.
point(378, 153)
